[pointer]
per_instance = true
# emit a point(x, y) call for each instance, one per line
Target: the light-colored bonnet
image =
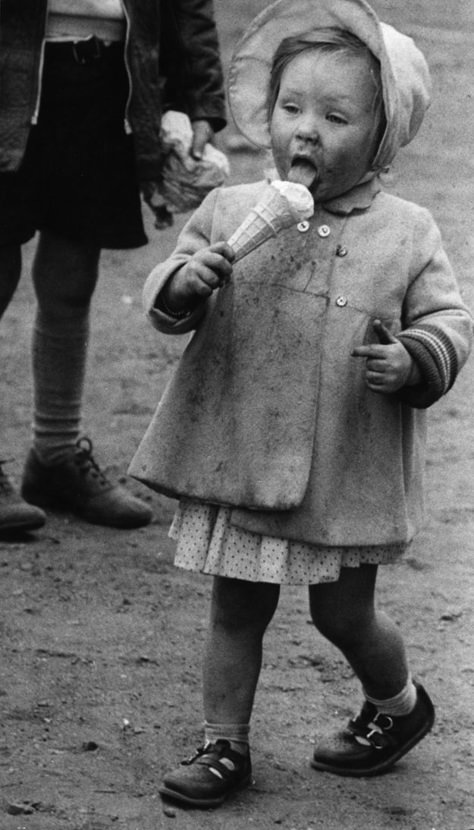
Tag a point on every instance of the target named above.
point(404, 72)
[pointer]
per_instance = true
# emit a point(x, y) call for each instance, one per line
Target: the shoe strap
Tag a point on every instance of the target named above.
point(358, 724)
point(378, 733)
point(221, 760)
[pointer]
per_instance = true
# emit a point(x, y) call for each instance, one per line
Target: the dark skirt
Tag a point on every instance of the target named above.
point(78, 176)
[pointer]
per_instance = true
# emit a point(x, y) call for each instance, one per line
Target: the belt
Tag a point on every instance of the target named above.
point(90, 50)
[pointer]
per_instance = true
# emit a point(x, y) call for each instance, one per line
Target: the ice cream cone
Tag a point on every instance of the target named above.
point(282, 205)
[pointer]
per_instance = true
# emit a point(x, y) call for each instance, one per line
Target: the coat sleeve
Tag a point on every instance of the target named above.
point(437, 326)
point(196, 234)
point(190, 61)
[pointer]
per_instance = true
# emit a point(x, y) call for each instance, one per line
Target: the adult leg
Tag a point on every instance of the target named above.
point(10, 272)
point(397, 713)
point(60, 470)
point(65, 274)
point(15, 513)
point(240, 614)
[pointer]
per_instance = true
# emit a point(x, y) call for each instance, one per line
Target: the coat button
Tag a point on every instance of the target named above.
point(324, 230)
point(303, 226)
point(341, 301)
point(341, 250)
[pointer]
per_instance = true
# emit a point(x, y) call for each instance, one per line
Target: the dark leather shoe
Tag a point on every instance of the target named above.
point(208, 777)
point(79, 485)
point(372, 743)
point(15, 513)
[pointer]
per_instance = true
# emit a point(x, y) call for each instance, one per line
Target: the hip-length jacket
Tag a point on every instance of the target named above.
point(172, 58)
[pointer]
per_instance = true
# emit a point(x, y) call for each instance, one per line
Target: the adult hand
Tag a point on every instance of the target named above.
point(202, 134)
point(389, 365)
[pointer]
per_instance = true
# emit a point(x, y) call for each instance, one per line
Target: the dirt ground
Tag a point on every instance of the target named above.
point(101, 635)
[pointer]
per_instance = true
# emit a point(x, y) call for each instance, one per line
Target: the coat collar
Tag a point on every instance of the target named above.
point(359, 198)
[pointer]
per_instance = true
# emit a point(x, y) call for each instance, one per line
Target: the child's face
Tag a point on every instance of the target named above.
point(324, 119)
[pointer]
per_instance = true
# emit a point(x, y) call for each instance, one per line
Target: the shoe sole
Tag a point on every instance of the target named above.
point(188, 801)
point(33, 524)
point(56, 505)
point(381, 768)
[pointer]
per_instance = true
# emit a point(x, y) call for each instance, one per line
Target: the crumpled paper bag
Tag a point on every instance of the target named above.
point(185, 181)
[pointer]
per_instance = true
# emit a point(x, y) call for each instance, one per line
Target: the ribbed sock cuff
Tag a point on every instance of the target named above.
point(401, 704)
point(236, 733)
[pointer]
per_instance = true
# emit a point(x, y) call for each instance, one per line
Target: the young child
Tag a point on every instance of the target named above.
point(293, 430)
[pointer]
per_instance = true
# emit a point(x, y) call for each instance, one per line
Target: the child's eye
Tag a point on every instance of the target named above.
point(334, 118)
point(292, 109)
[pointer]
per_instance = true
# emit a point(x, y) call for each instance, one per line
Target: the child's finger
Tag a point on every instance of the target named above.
point(385, 336)
point(224, 249)
point(373, 350)
point(202, 133)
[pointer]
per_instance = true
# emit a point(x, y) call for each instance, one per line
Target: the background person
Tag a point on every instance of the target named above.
point(83, 85)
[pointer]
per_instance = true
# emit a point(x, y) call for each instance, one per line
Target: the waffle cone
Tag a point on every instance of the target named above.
point(272, 214)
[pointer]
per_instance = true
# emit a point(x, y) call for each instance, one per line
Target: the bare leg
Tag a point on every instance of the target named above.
point(240, 614)
point(344, 612)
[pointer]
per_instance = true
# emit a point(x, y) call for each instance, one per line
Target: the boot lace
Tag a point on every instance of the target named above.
point(86, 463)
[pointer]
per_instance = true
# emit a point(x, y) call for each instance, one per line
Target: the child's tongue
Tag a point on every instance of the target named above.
point(302, 172)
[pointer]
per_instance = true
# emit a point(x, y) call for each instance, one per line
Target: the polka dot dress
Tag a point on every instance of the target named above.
point(207, 542)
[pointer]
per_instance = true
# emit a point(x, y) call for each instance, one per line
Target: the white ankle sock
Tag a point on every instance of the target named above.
point(236, 733)
point(401, 704)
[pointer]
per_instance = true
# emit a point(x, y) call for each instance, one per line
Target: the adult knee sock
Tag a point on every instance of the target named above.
point(401, 704)
point(236, 733)
point(59, 361)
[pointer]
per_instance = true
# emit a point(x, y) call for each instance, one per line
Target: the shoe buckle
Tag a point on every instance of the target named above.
point(373, 737)
point(384, 722)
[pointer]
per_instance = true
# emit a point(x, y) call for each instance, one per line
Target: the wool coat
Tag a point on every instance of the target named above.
point(268, 412)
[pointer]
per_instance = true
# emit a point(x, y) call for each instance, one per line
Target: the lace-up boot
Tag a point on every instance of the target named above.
point(78, 485)
point(15, 513)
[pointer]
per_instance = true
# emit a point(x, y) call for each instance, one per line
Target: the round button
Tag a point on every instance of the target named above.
point(341, 301)
point(341, 250)
point(324, 230)
point(303, 226)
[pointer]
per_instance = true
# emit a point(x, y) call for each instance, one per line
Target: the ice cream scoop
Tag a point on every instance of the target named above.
point(282, 205)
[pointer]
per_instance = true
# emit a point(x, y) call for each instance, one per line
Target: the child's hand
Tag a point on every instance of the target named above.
point(207, 270)
point(389, 365)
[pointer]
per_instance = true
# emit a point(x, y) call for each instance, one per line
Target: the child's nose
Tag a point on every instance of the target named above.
point(307, 131)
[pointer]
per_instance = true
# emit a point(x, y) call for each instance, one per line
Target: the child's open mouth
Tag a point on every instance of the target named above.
point(303, 171)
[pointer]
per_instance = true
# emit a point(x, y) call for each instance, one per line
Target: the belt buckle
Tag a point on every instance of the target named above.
point(85, 51)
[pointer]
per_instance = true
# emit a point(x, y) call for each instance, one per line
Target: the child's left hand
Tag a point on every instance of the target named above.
point(389, 365)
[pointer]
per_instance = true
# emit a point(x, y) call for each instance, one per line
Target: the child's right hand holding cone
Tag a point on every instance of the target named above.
point(208, 269)
point(282, 205)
